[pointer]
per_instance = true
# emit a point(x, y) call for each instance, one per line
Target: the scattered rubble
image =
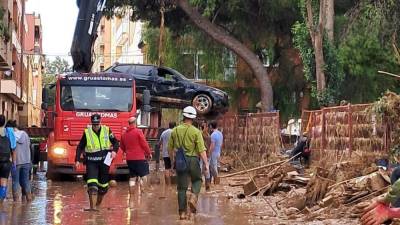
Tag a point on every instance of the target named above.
point(318, 194)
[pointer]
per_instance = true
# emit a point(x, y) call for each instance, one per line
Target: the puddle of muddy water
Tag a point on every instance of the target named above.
point(64, 203)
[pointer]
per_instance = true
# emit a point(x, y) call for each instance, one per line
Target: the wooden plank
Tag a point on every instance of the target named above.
point(253, 169)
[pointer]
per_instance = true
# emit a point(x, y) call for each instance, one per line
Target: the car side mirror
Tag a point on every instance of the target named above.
point(45, 98)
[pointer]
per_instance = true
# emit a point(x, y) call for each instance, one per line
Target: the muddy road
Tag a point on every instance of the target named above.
point(64, 203)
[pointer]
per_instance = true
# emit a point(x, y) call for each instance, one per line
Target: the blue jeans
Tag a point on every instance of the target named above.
point(214, 165)
point(20, 177)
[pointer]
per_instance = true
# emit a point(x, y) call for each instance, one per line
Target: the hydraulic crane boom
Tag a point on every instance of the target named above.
point(90, 13)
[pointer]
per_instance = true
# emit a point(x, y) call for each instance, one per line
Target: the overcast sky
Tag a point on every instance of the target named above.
point(58, 24)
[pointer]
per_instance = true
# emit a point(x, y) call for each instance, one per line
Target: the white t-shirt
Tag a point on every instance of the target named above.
point(164, 138)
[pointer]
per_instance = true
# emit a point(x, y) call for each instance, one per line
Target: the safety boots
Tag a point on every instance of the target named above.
point(99, 200)
point(92, 202)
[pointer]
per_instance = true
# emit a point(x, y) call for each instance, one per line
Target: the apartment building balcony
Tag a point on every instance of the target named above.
point(15, 40)
point(5, 55)
point(101, 59)
point(122, 33)
point(13, 90)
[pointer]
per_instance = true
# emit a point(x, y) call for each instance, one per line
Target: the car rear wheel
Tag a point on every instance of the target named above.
point(202, 103)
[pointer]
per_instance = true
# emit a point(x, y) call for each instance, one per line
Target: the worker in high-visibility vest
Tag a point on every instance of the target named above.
point(96, 143)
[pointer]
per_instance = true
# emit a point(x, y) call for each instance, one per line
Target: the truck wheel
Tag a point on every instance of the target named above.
point(202, 103)
point(50, 174)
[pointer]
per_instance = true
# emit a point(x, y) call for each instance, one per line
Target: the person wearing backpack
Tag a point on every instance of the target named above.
point(6, 152)
point(188, 144)
point(21, 176)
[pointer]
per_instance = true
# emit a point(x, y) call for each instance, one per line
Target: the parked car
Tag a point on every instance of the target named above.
point(170, 87)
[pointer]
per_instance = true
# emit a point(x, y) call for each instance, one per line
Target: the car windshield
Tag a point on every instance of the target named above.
point(96, 98)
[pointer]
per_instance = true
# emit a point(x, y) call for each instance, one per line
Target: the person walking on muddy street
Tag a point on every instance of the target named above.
point(20, 177)
point(164, 138)
point(187, 143)
point(96, 145)
point(137, 151)
point(215, 151)
point(6, 152)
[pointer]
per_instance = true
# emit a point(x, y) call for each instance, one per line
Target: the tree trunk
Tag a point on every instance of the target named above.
point(316, 34)
point(330, 19)
point(319, 63)
point(222, 37)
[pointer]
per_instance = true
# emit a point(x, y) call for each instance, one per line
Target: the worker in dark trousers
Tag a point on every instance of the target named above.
point(302, 150)
point(96, 144)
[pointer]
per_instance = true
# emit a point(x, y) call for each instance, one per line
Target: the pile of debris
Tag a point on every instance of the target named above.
point(267, 179)
point(321, 192)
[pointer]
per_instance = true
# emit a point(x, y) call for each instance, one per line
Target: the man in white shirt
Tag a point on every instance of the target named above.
point(164, 138)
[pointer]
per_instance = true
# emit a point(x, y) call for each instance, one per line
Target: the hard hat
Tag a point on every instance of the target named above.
point(189, 112)
point(95, 119)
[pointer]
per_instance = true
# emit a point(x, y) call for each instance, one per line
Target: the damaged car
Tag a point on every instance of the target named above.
point(171, 89)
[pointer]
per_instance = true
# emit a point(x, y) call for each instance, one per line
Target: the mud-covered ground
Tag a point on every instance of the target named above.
point(64, 203)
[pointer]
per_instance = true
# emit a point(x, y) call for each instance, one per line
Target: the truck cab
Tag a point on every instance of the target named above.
point(77, 97)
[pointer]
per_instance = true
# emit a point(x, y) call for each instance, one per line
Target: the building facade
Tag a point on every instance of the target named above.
point(20, 54)
point(118, 40)
point(31, 113)
point(13, 94)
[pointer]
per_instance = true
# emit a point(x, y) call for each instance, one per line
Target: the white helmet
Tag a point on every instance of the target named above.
point(189, 112)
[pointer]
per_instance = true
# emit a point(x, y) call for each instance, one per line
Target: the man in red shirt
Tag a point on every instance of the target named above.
point(137, 151)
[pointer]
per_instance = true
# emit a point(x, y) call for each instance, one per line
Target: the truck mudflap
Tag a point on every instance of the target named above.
point(69, 169)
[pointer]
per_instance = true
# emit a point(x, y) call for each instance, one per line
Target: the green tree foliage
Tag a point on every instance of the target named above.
point(54, 68)
point(366, 47)
point(180, 51)
point(264, 27)
point(333, 64)
point(363, 34)
point(57, 66)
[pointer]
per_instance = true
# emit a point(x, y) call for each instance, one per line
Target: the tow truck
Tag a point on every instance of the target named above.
point(80, 94)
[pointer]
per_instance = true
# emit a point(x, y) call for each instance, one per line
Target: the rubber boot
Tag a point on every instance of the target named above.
point(99, 200)
point(193, 203)
point(92, 202)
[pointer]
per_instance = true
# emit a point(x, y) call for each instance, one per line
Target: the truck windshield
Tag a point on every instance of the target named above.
point(96, 98)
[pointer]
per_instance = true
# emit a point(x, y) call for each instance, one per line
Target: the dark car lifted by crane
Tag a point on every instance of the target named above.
point(170, 88)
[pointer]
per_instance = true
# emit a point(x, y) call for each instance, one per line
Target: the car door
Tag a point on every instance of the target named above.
point(168, 84)
point(144, 76)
